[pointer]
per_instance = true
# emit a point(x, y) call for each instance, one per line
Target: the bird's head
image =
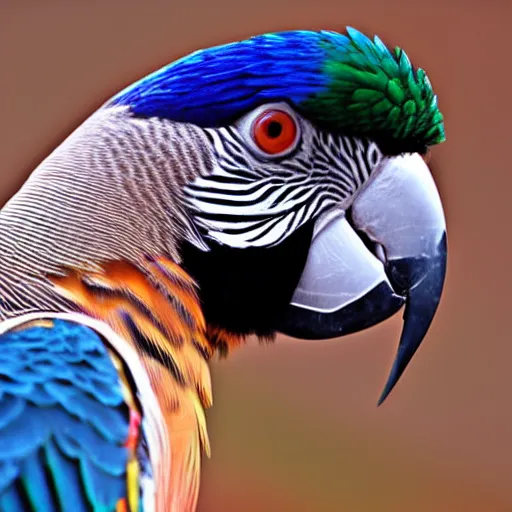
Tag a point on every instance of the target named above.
point(305, 202)
point(320, 216)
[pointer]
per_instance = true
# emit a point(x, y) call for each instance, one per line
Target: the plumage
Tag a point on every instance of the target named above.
point(158, 313)
point(335, 74)
point(160, 232)
point(96, 440)
point(78, 455)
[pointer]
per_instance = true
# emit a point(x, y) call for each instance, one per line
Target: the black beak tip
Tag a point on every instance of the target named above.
point(422, 300)
point(390, 384)
point(394, 375)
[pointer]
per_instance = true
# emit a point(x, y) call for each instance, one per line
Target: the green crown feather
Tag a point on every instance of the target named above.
point(377, 93)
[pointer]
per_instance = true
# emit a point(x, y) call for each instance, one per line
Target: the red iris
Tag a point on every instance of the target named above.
point(274, 131)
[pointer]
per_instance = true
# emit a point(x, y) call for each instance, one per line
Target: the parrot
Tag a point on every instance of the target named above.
point(278, 184)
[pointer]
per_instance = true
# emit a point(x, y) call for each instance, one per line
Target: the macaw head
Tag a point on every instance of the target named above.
point(285, 174)
point(312, 210)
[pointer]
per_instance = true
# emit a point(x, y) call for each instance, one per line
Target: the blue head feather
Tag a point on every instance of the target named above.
point(214, 86)
point(345, 82)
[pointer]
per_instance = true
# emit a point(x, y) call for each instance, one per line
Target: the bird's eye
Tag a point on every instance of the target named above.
point(274, 131)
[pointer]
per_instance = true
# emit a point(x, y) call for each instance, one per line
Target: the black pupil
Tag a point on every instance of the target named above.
point(274, 129)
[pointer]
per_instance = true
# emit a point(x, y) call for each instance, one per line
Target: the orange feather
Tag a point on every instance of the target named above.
point(158, 301)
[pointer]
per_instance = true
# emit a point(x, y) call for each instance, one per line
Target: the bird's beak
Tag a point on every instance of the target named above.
point(347, 285)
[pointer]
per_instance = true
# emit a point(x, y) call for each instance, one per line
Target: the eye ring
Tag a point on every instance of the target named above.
point(263, 137)
point(274, 131)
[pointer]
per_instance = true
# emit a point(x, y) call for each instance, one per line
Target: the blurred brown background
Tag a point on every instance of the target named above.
point(295, 426)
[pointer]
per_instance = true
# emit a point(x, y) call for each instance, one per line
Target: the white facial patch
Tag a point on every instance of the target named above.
point(254, 201)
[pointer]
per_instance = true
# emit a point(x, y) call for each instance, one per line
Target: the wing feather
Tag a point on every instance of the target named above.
point(65, 419)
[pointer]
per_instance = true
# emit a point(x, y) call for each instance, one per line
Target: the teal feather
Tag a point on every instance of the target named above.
point(66, 479)
point(36, 483)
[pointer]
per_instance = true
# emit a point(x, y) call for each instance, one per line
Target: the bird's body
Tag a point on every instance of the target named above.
point(185, 215)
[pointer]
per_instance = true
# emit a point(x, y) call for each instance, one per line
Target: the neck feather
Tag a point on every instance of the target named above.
point(111, 191)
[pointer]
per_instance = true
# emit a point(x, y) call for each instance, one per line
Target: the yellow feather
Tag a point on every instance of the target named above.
point(132, 478)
